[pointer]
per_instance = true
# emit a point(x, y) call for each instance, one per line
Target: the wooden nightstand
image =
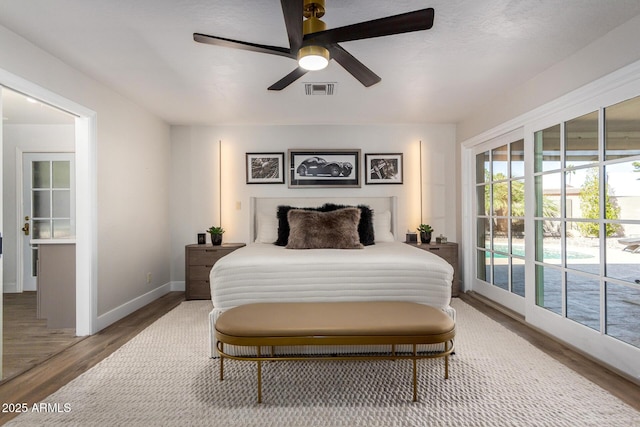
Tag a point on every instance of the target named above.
point(449, 252)
point(199, 259)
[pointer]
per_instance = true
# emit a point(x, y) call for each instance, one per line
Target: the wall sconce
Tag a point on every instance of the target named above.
point(420, 157)
point(220, 182)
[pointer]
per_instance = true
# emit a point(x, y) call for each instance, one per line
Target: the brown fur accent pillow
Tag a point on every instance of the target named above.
point(324, 230)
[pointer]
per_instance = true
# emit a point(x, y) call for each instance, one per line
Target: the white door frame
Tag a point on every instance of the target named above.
point(1, 233)
point(86, 197)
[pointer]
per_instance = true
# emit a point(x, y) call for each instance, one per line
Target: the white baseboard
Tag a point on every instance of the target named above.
point(178, 286)
point(127, 308)
point(10, 288)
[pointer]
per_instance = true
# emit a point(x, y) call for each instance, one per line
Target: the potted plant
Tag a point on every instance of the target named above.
point(216, 235)
point(425, 233)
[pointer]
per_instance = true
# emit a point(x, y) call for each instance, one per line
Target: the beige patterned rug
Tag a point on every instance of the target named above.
point(164, 377)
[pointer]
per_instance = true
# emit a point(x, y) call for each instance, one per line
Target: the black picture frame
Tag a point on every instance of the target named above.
point(338, 168)
point(265, 168)
point(383, 168)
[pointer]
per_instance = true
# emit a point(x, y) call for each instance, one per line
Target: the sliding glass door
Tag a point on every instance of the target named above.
point(500, 222)
point(581, 225)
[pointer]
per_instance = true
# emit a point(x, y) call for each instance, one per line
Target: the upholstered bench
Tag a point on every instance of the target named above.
point(379, 323)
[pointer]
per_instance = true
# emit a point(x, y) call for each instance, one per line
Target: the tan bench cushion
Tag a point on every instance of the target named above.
point(335, 319)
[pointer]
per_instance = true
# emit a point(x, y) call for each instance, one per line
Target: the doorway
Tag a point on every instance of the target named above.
point(38, 186)
point(86, 205)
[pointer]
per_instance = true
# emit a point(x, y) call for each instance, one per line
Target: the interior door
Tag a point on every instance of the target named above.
point(48, 208)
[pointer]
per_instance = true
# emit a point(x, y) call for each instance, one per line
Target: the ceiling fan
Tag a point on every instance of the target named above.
point(313, 45)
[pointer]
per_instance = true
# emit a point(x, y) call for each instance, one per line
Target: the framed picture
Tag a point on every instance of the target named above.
point(324, 168)
point(265, 168)
point(383, 168)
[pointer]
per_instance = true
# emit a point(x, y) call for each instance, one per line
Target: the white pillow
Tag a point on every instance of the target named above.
point(382, 227)
point(267, 228)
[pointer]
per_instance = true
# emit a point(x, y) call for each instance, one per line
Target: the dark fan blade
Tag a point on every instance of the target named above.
point(292, 11)
point(288, 79)
point(397, 24)
point(353, 66)
point(220, 41)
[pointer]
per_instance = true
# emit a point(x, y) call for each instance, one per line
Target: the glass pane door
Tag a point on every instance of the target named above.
point(51, 199)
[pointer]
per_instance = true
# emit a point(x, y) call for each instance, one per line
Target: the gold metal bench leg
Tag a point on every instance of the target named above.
point(259, 377)
point(415, 374)
point(446, 361)
point(221, 362)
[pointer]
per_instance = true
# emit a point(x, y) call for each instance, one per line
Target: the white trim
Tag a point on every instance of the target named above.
point(178, 285)
point(1, 232)
point(19, 206)
point(86, 194)
point(53, 241)
point(129, 307)
point(467, 182)
point(86, 225)
point(10, 287)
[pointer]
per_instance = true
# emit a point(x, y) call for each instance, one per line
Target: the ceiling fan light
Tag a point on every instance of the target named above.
point(313, 58)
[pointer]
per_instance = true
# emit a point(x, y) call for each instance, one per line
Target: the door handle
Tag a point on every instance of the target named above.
point(25, 229)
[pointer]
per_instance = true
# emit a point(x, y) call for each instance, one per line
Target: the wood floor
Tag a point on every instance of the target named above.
point(26, 340)
point(42, 380)
point(47, 377)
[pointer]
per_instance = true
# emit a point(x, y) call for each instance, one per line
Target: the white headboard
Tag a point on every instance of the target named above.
point(269, 206)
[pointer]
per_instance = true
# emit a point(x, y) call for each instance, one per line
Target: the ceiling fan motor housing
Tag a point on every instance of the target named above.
point(313, 8)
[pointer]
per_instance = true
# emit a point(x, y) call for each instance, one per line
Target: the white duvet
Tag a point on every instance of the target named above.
point(384, 271)
point(394, 271)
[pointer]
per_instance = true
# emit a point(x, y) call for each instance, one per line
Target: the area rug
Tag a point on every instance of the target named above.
point(164, 377)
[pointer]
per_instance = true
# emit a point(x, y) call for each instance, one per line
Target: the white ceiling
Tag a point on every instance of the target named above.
point(476, 50)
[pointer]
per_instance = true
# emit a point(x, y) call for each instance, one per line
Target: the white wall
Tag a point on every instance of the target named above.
point(616, 49)
point(25, 138)
point(133, 175)
point(194, 192)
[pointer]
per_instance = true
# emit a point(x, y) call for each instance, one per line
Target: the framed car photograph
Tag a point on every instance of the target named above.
point(383, 168)
point(265, 168)
point(324, 168)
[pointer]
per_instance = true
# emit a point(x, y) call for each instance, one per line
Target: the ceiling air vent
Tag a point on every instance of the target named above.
point(319, 88)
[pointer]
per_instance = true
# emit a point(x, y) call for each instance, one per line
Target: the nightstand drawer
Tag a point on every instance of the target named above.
point(446, 252)
point(199, 260)
point(199, 289)
point(206, 257)
point(199, 272)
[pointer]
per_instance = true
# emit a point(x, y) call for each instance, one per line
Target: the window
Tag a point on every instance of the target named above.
point(587, 219)
point(500, 217)
point(51, 199)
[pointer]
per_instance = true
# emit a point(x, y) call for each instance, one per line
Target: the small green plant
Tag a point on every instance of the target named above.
point(425, 228)
point(215, 230)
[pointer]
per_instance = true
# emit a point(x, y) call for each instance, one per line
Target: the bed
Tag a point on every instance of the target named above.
point(387, 270)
